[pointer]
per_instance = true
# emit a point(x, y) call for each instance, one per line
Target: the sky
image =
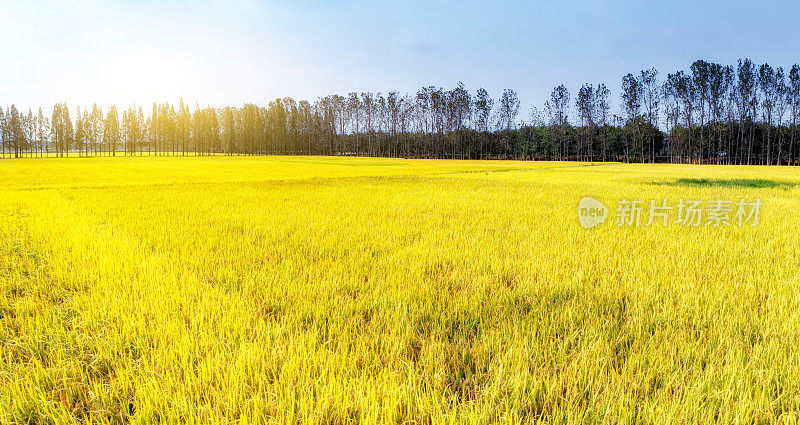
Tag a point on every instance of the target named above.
point(230, 52)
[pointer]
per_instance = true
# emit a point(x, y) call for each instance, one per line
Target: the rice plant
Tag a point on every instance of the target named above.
point(354, 290)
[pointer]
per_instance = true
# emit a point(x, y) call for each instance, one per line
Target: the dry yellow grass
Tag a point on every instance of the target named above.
point(343, 290)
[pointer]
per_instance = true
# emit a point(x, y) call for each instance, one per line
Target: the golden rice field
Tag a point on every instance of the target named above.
point(352, 290)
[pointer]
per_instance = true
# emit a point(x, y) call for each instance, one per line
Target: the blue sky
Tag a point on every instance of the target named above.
point(230, 52)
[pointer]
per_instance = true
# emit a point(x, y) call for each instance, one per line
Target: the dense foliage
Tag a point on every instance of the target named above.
point(745, 114)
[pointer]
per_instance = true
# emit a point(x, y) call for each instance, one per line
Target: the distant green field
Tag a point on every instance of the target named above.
point(342, 290)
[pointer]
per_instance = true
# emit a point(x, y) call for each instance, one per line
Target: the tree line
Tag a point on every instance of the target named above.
point(711, 113)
